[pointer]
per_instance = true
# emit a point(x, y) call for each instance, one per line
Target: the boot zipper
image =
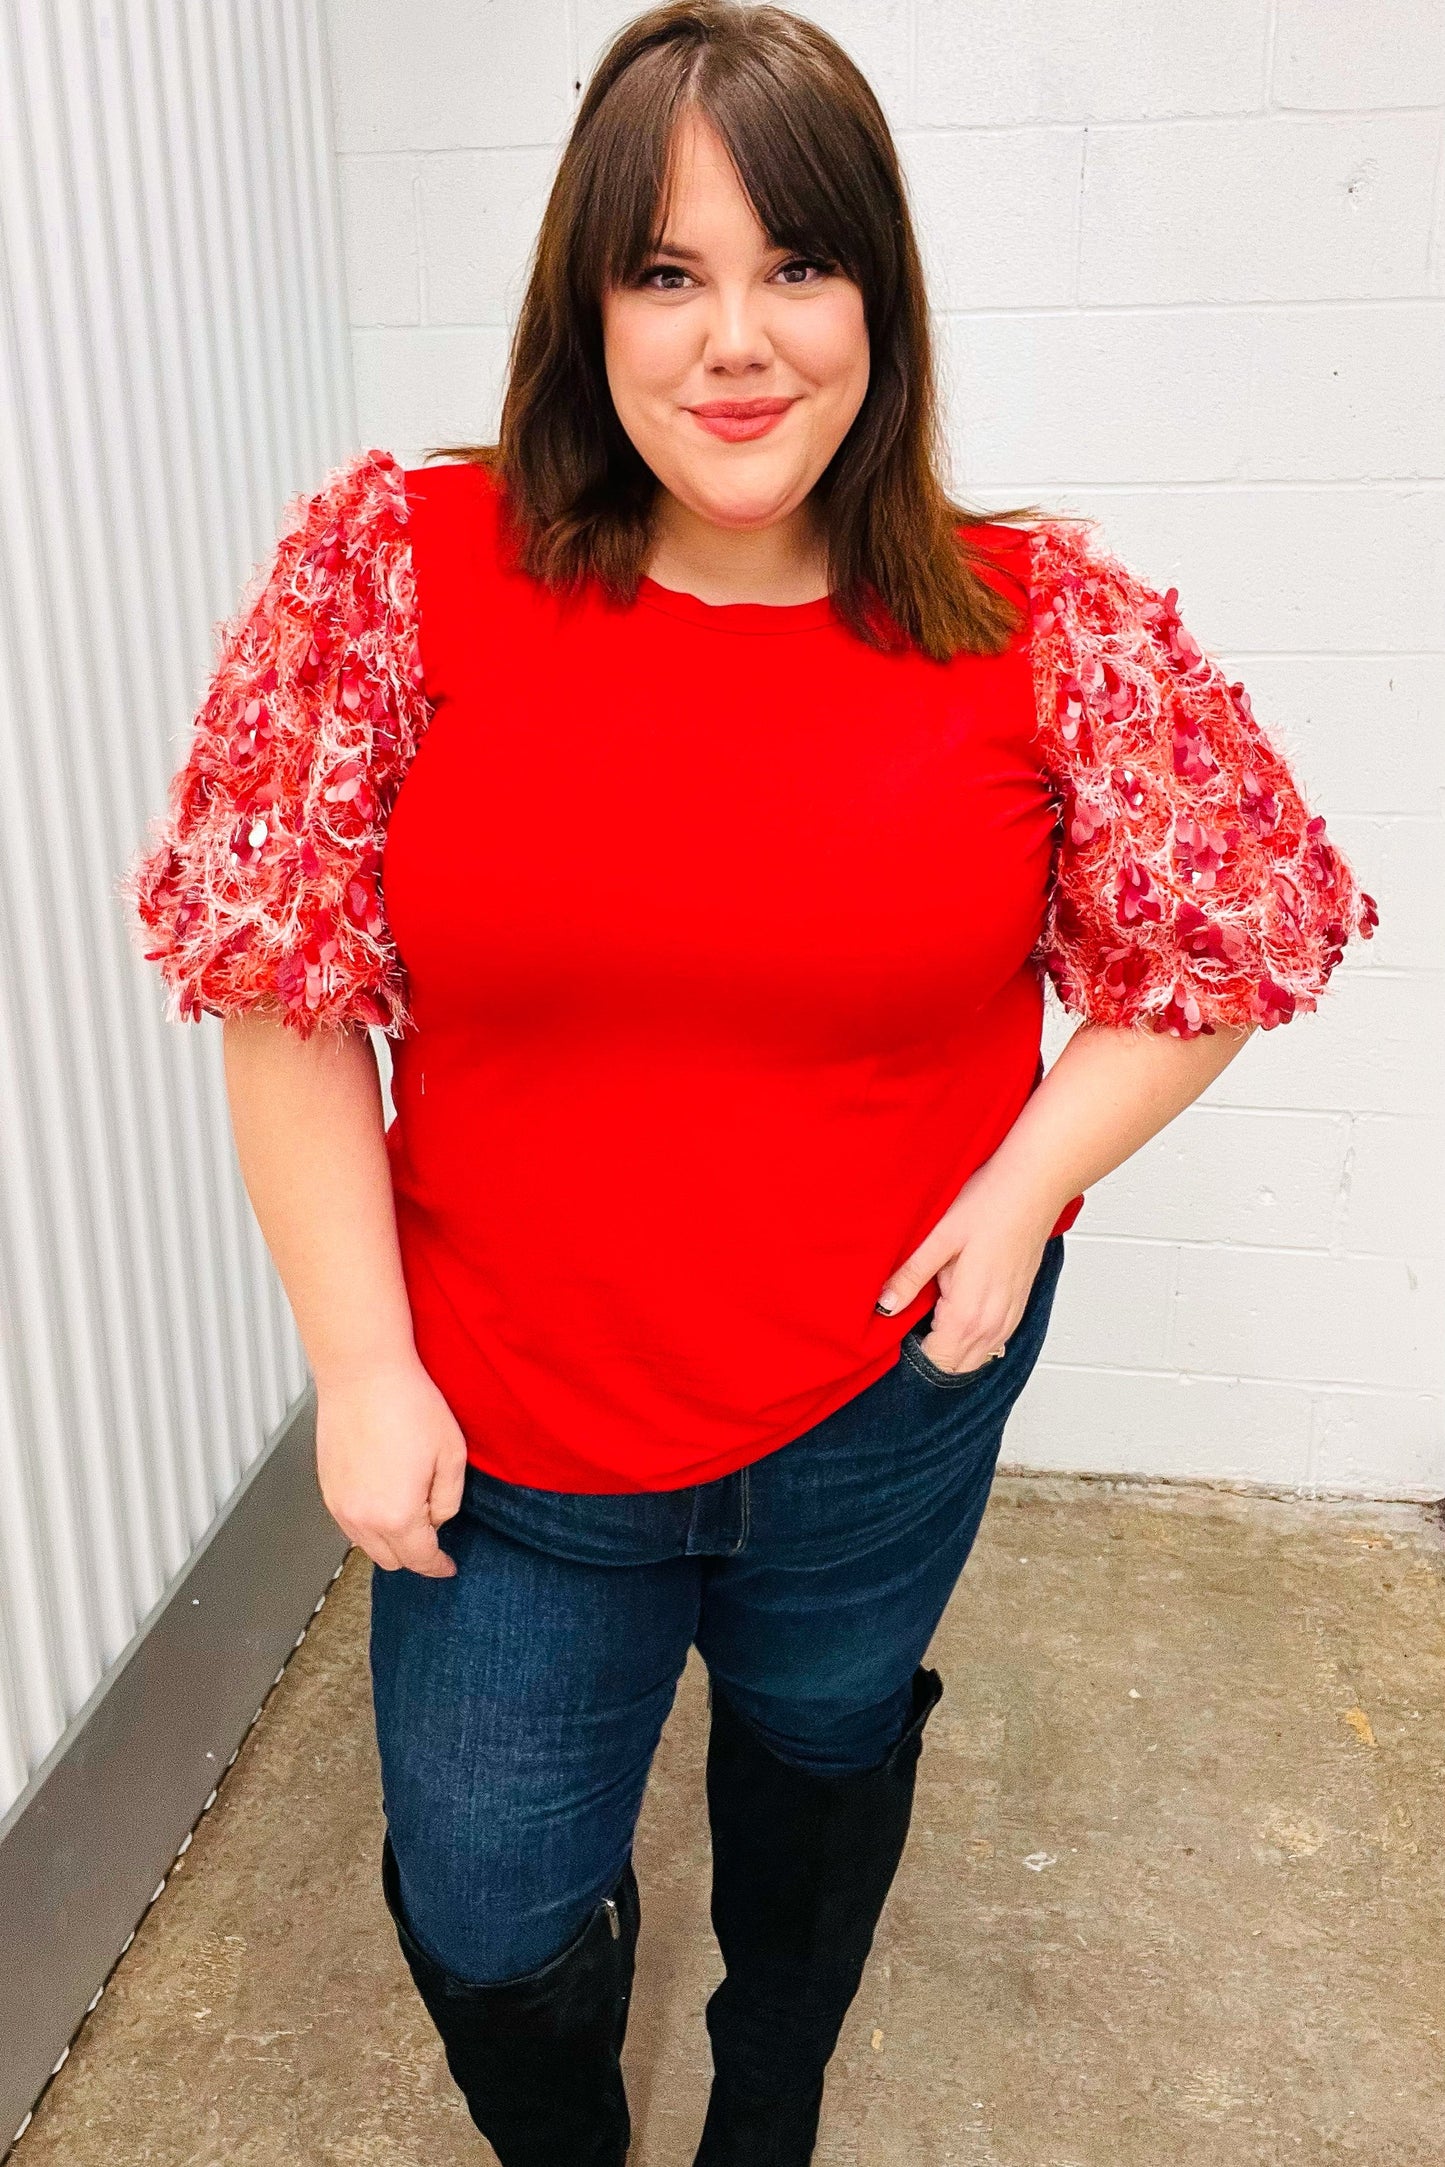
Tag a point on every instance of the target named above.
point(610, 1907)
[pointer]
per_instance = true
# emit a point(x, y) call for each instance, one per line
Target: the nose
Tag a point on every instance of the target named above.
point(737, 338)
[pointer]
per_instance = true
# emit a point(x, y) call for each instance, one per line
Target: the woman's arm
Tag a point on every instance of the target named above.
point(258, 896)
point(1194, 897)
point(309, 1126)
point(1109, 1091)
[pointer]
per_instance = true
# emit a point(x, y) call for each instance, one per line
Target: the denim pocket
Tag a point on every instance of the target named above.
point(949, 1380)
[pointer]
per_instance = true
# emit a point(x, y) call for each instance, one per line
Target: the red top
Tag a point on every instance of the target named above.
point(717, 926)
point(711, 939)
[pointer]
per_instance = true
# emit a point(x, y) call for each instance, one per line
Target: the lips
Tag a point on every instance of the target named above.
point(741, 408)
point(737, 420)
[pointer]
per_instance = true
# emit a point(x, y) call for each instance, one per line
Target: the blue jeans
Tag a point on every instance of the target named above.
point(519, 1703)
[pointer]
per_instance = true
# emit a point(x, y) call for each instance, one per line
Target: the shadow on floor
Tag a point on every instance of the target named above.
point(1172, 1897)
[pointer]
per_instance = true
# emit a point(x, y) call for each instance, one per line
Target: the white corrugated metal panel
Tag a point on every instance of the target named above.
point(174, 364)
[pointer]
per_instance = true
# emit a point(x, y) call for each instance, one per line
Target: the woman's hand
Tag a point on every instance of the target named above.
point(986, 1251)
point(390, 1459)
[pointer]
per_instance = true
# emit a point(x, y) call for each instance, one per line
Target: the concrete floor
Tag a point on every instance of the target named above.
point(1173, 1894)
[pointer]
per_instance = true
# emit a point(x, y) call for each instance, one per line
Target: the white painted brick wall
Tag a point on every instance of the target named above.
point(1189, 268)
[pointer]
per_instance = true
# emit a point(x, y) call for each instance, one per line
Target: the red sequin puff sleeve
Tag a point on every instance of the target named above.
point(1193, 886)
point(260, 887)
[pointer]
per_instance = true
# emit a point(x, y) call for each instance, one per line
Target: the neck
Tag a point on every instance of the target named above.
point(782, 563)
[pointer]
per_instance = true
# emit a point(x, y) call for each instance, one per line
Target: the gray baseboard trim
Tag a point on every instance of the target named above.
point(101, 1821)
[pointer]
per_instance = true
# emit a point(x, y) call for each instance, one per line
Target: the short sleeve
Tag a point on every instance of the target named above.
point(1193, 885)
point(260, 887)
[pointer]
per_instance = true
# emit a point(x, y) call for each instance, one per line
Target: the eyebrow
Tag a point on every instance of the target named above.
point(697, 255)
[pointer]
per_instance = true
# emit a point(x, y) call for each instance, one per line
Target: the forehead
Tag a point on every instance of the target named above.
point(702, 193)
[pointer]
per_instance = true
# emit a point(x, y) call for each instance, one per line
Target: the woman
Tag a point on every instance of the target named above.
point(699, 799)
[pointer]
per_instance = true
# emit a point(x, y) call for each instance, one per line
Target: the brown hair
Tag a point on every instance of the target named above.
point(815, 157)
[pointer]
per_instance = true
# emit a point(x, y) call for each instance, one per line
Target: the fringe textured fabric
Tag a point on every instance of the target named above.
point(260, 888)
point(1192, 885)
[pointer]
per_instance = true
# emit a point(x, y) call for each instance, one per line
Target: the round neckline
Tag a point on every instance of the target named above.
point(749, 617)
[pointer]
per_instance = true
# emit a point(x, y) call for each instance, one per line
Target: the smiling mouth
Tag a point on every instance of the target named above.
point(736, 420)
point(741, 407)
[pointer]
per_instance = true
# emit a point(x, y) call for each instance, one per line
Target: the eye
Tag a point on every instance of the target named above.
point(674, 274)
point(663, 277)
point(802, 271)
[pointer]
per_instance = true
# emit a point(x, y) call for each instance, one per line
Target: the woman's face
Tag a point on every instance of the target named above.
point(736, 368)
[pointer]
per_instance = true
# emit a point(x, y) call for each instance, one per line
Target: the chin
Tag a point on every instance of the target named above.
point(742, 507)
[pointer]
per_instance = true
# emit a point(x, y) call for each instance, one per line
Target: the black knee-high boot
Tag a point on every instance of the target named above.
point(802, 1864)
point(537, 2058)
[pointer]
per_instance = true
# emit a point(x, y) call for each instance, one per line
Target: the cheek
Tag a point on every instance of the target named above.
point(831, 349)
point(643, 353)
